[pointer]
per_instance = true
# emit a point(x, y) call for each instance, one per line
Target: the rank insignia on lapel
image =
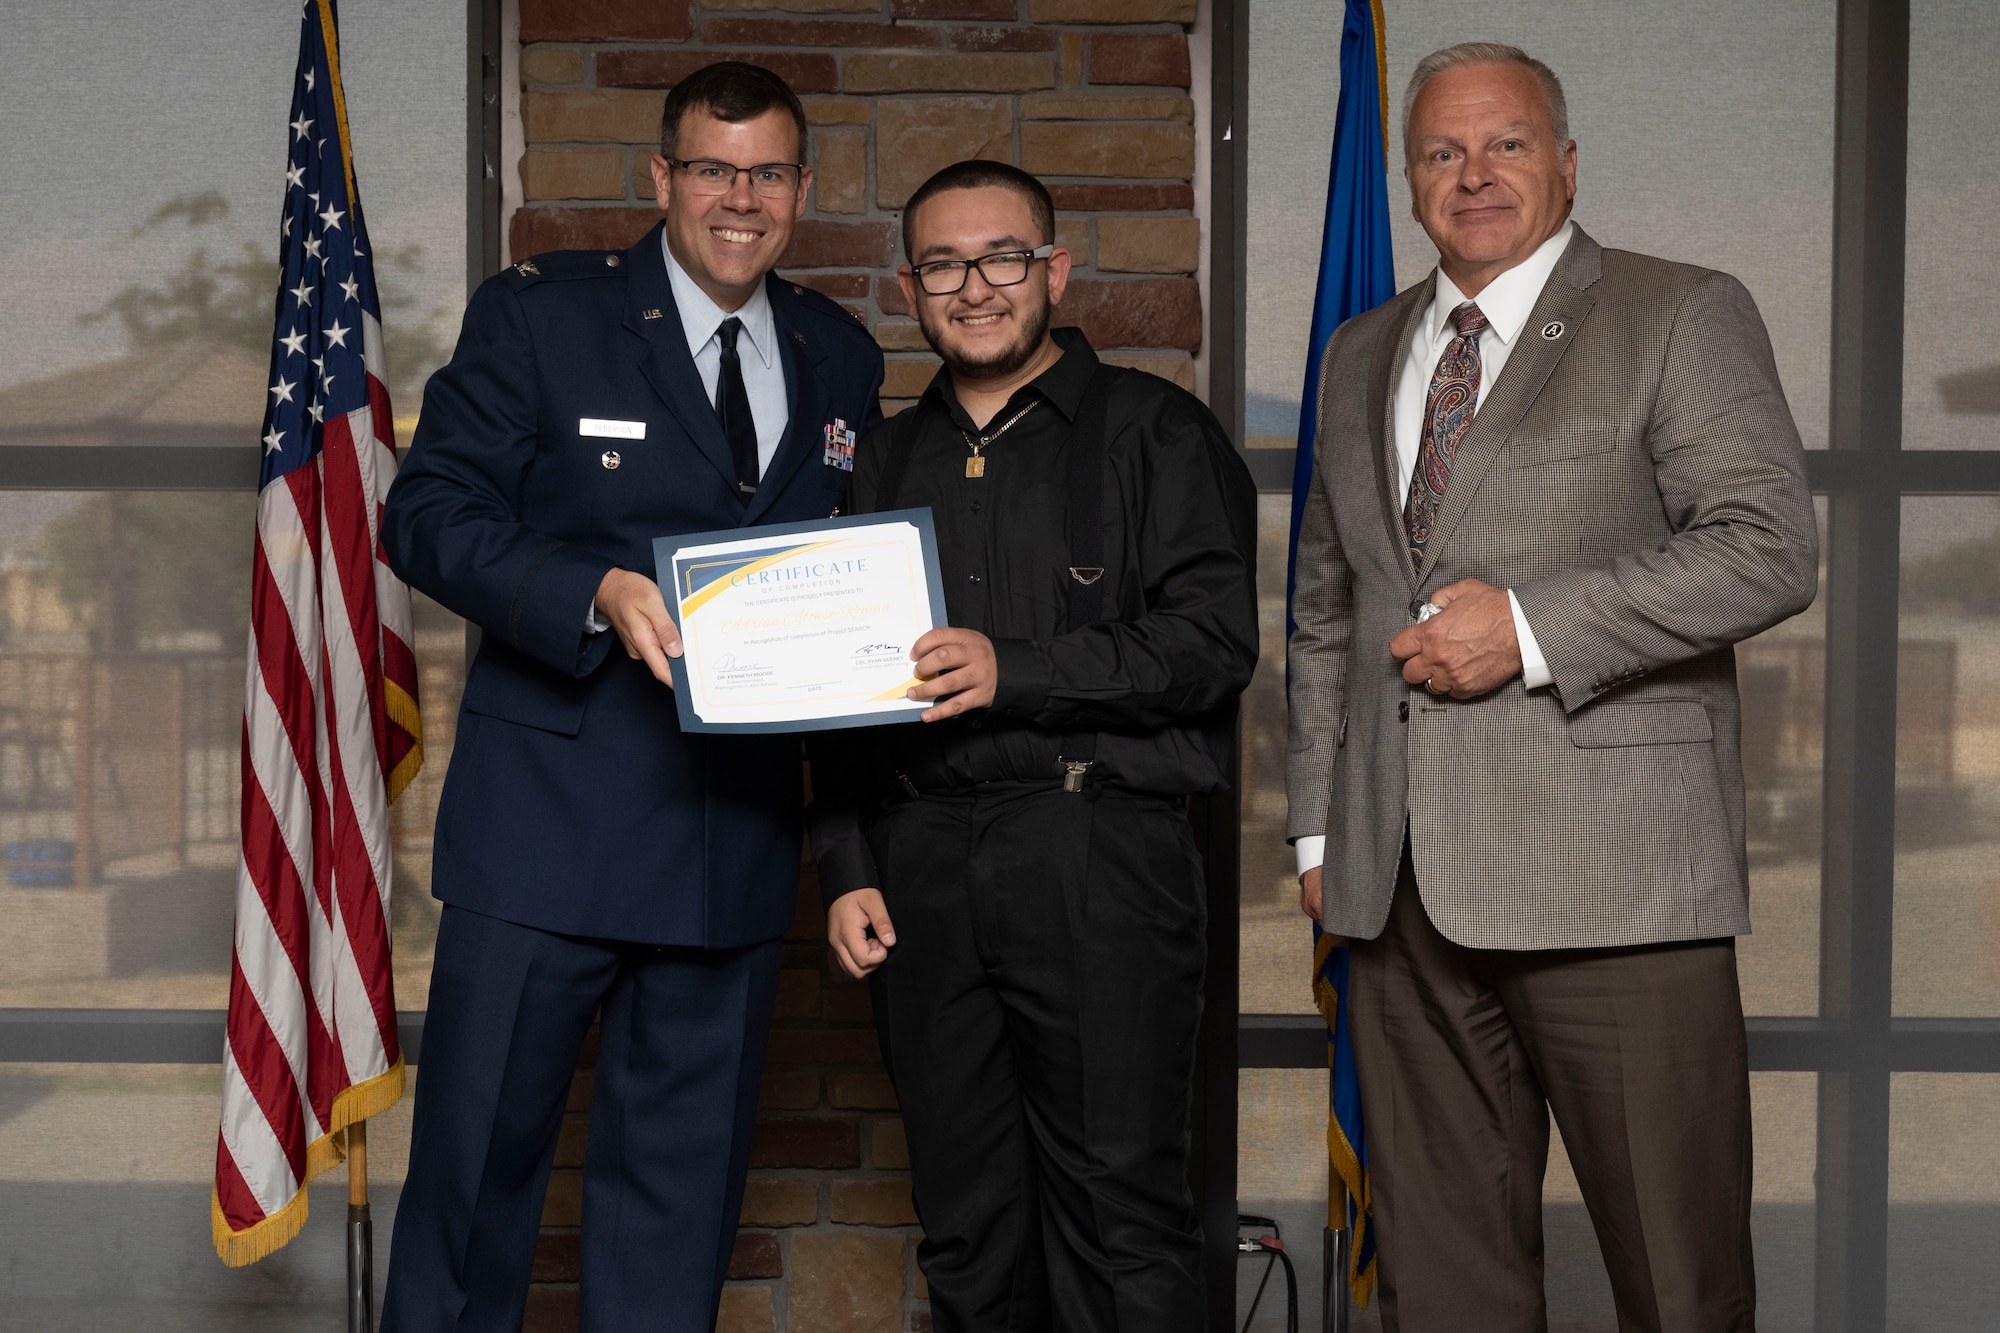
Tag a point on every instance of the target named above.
point(839, 446)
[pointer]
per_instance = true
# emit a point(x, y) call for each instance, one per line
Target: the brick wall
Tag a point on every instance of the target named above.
point(828, 1238)
point(1090, 95)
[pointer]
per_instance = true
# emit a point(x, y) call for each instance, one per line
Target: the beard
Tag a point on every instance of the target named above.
point(998, 363)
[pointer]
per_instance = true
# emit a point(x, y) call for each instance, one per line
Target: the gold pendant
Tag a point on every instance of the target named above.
point(975, 466)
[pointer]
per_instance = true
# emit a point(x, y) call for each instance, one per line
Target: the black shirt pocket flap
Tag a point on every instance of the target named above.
point(1640, 722)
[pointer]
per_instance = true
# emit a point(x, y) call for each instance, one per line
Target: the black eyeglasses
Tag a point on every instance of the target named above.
point(772, 180)
point(942, 277)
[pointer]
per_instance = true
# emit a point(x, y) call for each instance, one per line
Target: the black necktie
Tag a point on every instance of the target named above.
point(732, 405)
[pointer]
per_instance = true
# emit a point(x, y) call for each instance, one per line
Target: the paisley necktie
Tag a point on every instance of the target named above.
point(1448, 408)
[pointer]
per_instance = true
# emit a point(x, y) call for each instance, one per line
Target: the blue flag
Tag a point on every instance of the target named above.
point(1356, 273)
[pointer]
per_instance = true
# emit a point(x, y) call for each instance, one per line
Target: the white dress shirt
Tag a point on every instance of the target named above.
point(756, 352)
point(763, 370)
point(1507, 301)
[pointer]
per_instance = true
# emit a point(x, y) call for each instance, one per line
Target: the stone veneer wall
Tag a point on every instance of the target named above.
point(1090, 95)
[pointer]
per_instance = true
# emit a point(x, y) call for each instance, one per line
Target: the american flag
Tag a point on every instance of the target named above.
point(330, 729)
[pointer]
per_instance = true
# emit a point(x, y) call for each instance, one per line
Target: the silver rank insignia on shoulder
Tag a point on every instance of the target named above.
point(527, 266)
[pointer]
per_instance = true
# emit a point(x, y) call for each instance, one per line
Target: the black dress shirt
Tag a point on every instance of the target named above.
point(1156, 679)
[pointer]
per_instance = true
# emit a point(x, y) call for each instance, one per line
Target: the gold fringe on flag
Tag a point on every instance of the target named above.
point(402, 710)
point(352, 1105)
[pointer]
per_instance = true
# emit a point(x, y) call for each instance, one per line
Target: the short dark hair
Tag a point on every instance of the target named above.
point(976, 174)
point(731, 90)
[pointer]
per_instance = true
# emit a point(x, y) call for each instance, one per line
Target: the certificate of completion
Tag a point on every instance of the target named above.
point(801, 626)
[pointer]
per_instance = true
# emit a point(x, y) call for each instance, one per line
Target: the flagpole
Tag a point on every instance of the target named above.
point(1335, 1256)
point(360, 1234)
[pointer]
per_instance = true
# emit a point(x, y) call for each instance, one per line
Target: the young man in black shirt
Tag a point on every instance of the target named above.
point(1038, 991)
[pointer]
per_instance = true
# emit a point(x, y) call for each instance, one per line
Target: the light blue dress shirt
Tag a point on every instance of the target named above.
point(756, 351)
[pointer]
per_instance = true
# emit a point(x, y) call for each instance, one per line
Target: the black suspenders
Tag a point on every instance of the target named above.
point(1083, 451)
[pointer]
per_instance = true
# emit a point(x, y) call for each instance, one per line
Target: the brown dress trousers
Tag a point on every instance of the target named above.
point(1638, 1052)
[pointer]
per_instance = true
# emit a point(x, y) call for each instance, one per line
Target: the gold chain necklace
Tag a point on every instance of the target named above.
point(975, 466)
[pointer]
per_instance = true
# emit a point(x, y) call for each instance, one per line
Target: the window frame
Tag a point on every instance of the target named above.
point(1855, 1043)
point(197, 1036)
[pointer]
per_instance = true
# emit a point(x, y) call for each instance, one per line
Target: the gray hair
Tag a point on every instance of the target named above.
point(1487, 53)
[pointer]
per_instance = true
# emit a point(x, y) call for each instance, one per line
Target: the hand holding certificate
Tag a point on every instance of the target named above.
point(801, 626)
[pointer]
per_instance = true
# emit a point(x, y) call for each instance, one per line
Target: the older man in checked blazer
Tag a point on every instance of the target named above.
point(1557, 483)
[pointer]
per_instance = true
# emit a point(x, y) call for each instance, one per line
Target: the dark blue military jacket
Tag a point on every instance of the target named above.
point(574, 801)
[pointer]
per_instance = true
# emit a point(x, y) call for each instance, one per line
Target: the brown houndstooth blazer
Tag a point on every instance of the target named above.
point(1635, 477)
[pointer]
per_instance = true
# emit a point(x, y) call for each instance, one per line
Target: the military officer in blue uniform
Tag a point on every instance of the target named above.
point(590, 856)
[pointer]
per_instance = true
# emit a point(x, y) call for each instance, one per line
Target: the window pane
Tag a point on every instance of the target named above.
point(139, 231)
point(105, 1173)
point(123, 625)
point(1947, 948)
point(1276, 945)
point(1944, 1202)
point(1662, 101)
point(1294, 86)
point(1781, 675)
point(1951, 370)
point(1281, 1173)
point(1704, 134)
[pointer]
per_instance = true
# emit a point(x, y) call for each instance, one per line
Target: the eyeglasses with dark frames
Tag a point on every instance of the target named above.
point(943, 277)
point(772, 180)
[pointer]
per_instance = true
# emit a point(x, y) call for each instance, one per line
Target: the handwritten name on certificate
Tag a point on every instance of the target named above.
point(801, 626)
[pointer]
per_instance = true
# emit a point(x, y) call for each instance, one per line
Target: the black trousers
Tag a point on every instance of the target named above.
point(1038, 1016)
point(680, 1057)
point(1639, 1053)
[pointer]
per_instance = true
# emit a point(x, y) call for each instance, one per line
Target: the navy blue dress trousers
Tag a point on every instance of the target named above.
point(593, 858)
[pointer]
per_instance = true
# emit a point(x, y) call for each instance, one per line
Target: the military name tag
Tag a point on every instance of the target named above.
point(611, 430)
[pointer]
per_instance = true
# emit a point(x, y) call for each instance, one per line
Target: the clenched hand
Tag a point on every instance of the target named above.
point(958, 663)
point(857, 926)
point(1468, 648)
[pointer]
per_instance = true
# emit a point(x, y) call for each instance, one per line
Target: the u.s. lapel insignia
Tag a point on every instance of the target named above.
point(653, 313)
point(839, 445)
point(1554, 329)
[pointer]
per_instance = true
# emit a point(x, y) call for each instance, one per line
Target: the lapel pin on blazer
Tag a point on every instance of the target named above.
point(654, 313)
point(1554, 329)
point(610, 459)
